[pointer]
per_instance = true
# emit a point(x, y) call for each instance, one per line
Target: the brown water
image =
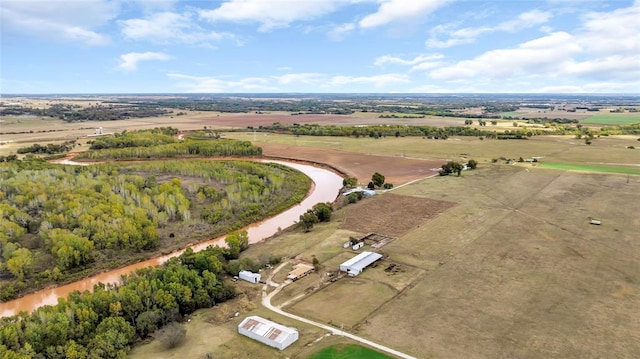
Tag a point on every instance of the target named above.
point(325, 189)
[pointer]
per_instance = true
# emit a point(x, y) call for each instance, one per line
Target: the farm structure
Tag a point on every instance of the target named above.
point(357, 264)
point(375, 240)
point(300, 270)
point(249, 276)
point(268, 332)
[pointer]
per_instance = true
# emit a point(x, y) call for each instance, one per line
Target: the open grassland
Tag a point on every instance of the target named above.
point(516, 270)
point(528, 112)
point(337, 305)
point(348, 352)
point(591, 168)
point(613, 118)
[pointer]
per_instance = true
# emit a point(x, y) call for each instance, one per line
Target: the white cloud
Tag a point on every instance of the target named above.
point(602, 55)
point(594, 87)
point(290, 82)
point(168, 27)
point(338, 32)
point(377, 81)
point(208, 84)
point(468, 35)
point(72, 21)
point(419, 63)
point(270, 14)
point(398, 10)
point(300, 78)
point(129, 62)
point(542, 56)
point(616, 32)
point(386, 59)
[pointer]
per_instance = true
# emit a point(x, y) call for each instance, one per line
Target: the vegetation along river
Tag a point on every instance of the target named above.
point(326, 187)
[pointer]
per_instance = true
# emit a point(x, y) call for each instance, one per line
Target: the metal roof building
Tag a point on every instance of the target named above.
point(357, 264)
point(268, 332)
point(249, 276)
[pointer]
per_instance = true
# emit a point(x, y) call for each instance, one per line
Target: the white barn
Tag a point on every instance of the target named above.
point(267, 332)
point(249, 276)
point(357, 264)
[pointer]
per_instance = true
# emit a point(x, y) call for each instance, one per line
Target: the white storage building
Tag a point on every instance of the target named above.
point(268, 332)
point(249, 276)
point(357, 264)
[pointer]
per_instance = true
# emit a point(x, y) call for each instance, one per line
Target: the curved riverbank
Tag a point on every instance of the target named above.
point(326, 188)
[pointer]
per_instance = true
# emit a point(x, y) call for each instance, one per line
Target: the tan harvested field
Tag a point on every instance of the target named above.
point(521, 271)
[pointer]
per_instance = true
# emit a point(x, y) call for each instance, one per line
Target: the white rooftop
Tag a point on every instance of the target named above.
point(362, 260)
point(266, 328)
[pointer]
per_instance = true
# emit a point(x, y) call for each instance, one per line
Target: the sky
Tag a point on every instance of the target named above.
point(319, 46)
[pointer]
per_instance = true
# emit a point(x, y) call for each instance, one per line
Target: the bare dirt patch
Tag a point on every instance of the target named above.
point(392, 215)
point(397, 170)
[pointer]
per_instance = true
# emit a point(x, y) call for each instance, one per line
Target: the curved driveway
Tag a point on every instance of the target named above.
point(266, 301)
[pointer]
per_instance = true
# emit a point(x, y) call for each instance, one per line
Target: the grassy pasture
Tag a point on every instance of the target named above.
point(590, 168)
point(337, 304)
point(514, 267)
point(612, 118)
point(348, 352)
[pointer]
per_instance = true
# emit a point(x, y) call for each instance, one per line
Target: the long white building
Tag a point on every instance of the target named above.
point(268, 332)
point(357, 264)
point(249, 276)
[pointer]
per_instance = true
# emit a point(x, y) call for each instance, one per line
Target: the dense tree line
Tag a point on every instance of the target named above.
point(49, 149)
point(219, 148)
point(630, 129)
point(378, 131)
point(140, 138)
point(75, 113)
point(104, 323)
point(58, 222)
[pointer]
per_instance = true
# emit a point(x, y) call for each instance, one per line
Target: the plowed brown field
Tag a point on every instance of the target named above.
point(397, 170)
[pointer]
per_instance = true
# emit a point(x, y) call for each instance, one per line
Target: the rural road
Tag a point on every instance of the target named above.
point(266, 302)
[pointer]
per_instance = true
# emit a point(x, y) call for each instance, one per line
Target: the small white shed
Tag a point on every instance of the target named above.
point(249, 276)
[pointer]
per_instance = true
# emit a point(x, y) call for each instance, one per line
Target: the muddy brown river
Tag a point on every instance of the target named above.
point(325, 189)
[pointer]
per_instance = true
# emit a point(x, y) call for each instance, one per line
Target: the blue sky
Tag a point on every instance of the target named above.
point(352, 46)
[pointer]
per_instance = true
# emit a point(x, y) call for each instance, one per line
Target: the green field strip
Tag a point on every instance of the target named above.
point(612, 119)
point(350, 351)
point(589, 168)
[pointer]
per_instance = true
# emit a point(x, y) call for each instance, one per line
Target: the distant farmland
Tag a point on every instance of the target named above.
point(612, 119)
point(591, 168)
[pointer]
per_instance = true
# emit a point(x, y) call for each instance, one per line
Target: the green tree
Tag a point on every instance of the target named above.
point(451, 167)
point(112, 340)
point(350, 182)
point(472, 164)
point(237, 242)
point(307, 220)
point(377, 179)
point(69, 250)
point(323, 211)
point(20, 263)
